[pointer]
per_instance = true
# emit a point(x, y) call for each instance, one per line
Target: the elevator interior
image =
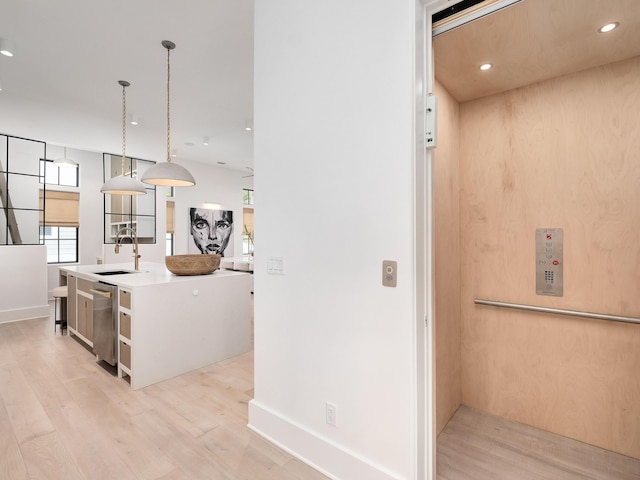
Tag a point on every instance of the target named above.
point(545, 139)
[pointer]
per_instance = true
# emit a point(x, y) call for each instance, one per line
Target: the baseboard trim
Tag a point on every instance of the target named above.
point(7, 316)
point(321, 453)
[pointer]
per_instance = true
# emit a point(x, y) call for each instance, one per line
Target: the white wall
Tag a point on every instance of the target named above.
point(91, 218)
point(214, 186)
point(23, 285)
point(334, 172)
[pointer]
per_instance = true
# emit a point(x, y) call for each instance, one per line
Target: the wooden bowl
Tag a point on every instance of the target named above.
point(196, 264)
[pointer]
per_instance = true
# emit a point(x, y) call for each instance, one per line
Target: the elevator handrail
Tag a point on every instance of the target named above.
point(559, 311)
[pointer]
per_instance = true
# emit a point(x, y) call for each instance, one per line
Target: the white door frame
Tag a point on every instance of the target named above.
point(425, 465)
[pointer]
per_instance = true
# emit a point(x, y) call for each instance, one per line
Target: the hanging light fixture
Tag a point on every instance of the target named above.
point(168, 174)
point(65, 161)
point(123, 184)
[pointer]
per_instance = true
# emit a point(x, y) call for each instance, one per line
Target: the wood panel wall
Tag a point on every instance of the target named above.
point(563, 153)
point(447, 259)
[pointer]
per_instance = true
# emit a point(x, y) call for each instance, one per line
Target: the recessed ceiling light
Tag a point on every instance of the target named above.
point(248, 125)
point(608, 27)
point(485, 66)
point(205, 141)
point(6, 47)
point(134, 120)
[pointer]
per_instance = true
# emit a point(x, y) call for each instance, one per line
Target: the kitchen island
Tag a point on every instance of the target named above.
point(165, 325)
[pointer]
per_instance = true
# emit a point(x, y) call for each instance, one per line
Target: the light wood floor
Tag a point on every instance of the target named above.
point(62, 416)
point(478, 446)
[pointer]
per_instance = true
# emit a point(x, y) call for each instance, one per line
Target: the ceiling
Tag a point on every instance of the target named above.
point(534, 40)
point(61, 84)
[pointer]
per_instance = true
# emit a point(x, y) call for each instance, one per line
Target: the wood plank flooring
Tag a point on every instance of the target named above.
point(477, 446)
point(63, 416)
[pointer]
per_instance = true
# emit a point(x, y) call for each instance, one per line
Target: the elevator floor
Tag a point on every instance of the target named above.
point(478, 446)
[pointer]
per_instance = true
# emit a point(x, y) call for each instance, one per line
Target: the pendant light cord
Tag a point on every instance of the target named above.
point(124, 127)
point(168, 107)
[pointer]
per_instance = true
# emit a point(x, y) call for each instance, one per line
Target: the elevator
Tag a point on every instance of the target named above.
point(525, 149)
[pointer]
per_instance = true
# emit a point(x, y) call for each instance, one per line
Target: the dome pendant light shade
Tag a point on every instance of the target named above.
point(122, 184)
point(168, 174)
point(65, 161)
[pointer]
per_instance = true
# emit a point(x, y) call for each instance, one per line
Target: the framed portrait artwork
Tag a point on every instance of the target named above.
point(211, 231)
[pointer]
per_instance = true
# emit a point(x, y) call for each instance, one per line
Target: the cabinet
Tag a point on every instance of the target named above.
point(124, 333)
point(85, 317)
point(71, 302)
point(84, 310)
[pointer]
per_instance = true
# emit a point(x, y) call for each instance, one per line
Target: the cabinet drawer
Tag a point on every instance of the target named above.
point(85, 285)
point(125, 325)
point(125, 355)
point(125, 299)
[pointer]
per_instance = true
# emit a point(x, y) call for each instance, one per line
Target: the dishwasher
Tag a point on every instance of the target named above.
point(105, 317)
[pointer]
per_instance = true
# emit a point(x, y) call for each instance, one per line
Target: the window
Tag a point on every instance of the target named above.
point(20, 212)
point(247, 243)
point(61, 243)
point(247, 196)
point(51, 175)
point(133, 211)
point(59, 225)
point(170, 226)
point(247, 231)
point(169, 247)
point(247, 222)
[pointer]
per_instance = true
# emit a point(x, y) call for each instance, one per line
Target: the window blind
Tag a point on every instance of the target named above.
point(61, 209)
point(170, 216)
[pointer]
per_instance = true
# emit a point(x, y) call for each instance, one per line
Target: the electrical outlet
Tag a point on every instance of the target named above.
point(332, 414)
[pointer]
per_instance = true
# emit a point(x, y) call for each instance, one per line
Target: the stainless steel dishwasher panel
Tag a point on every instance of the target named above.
point(104, 321)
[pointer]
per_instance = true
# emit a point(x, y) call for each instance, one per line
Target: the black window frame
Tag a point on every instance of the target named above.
point(77, 242)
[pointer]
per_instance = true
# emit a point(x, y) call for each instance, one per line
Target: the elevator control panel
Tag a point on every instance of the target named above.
point(549, 261)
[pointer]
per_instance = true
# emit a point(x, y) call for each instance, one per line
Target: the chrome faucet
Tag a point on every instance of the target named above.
point(134, 239)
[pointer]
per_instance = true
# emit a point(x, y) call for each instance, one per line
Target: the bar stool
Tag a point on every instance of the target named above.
point(60, 293)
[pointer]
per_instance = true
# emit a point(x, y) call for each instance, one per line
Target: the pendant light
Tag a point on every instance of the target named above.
point(65, 161)
point(168, 174)
point(123, 184)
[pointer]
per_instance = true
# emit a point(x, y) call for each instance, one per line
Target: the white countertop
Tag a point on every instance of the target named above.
point(148, 274)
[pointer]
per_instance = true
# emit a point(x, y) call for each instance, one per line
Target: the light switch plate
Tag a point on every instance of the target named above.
point(275, 265)
point(389, 273)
